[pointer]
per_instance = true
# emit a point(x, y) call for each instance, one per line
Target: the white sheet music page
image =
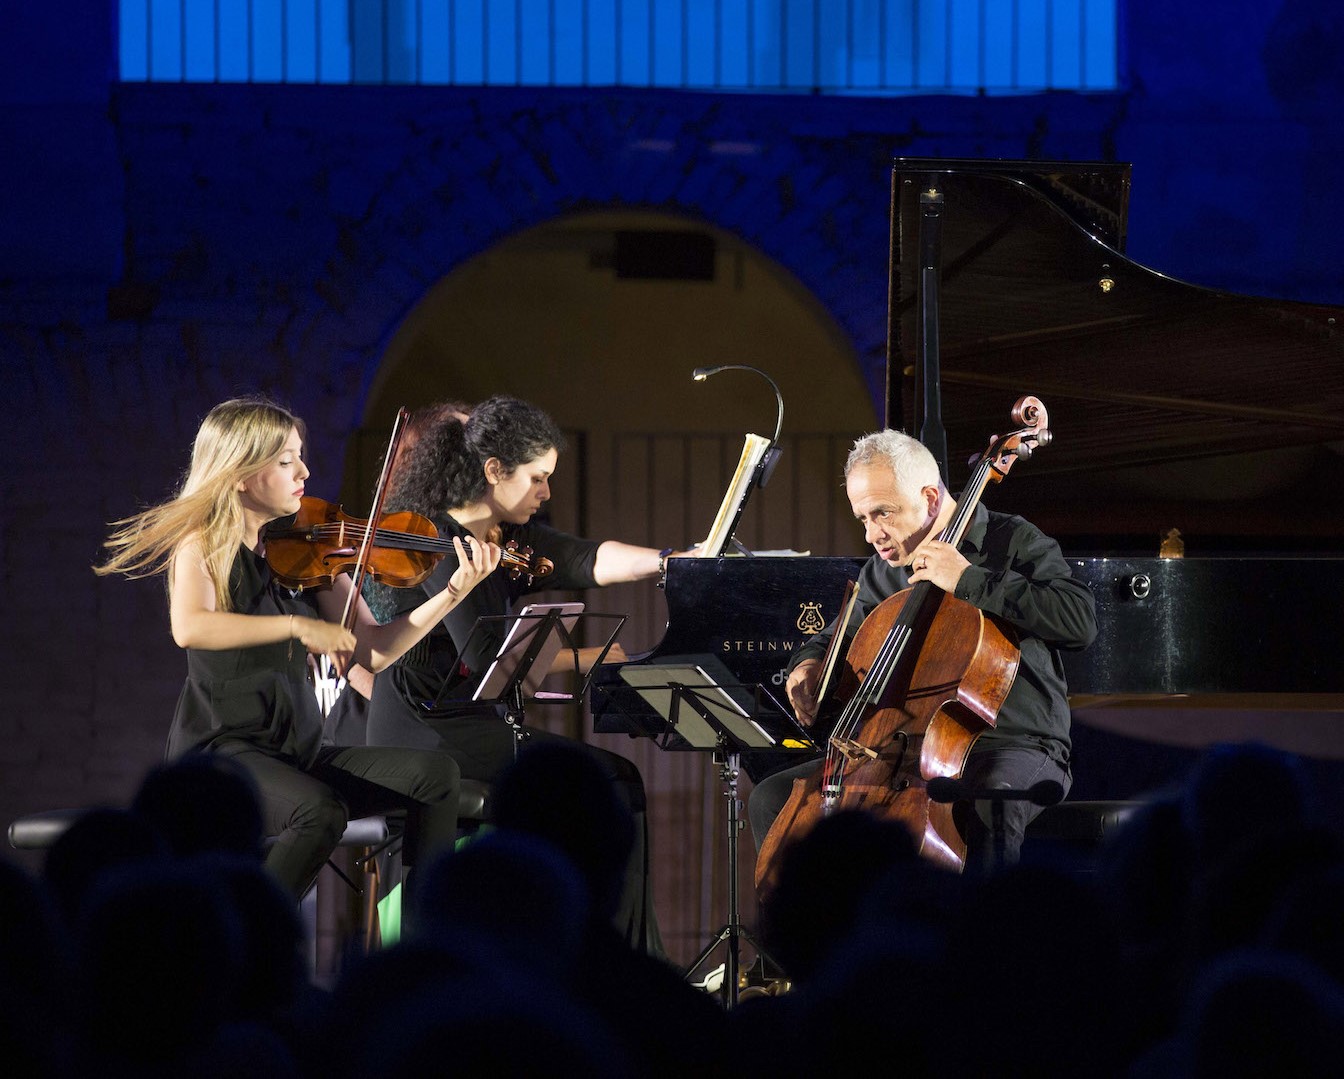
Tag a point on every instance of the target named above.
point(753, 449)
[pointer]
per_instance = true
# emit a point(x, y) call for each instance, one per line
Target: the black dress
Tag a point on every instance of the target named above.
point(256, 706)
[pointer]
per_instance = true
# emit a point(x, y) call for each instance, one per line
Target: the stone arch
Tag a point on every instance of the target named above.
point(544, 314)
point(483, 170)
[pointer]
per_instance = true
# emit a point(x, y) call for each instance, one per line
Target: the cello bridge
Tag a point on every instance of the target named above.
point(854, 751)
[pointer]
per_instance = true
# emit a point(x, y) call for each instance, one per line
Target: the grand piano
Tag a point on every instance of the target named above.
point(1174, 407)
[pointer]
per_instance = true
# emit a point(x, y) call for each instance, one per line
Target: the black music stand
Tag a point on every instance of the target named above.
point(534, 637)
point(704, 715)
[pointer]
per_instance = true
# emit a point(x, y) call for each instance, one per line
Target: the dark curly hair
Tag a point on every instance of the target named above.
point(446, 467)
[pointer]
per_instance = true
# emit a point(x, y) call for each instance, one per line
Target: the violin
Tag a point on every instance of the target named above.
point(924, 677)
point(323, 541)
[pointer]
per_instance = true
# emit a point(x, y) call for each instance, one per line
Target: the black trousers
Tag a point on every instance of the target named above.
point(1016, 767)
point(306, 810)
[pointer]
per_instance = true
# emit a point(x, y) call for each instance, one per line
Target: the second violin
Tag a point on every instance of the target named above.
point(322, 541)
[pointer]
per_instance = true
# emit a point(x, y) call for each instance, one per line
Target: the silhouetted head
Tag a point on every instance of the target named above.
point(1238, 790)
point(443, 1002)
point(271, 960)
point(158, 948)
point(1040, 938)
point(824, 877)
point(1234, 899)
point(518, 892)
point(1255, 1013)
point(559, 791)
point(100, 840)
point(203, 802)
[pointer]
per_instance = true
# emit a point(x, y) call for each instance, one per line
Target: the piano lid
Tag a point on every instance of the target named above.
point(1145, 377)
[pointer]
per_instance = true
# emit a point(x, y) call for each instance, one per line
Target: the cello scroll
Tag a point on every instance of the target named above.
point(1003, 450)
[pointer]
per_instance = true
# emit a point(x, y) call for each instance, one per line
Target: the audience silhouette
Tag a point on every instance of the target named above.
point(664, 1026)
point(203, 802)
point(1202, 939)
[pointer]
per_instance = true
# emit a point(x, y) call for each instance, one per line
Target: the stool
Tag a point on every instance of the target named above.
point(38, 831)
point(473, 802)
point(1078, 828)
point(378, 835)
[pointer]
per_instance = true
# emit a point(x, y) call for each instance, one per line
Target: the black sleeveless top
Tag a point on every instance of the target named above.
point(251, 698)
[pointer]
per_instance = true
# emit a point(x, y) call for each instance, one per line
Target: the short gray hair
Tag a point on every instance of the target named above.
point(909, 459)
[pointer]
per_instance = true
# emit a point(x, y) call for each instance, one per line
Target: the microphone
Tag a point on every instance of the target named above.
point(1047, 792)
point(771, 457)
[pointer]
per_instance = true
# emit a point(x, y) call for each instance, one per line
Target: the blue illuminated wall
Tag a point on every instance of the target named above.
point(834, 46)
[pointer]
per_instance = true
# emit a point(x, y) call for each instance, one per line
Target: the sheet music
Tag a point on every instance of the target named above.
point(654, 685)
point(753, 449)
point(527, 623)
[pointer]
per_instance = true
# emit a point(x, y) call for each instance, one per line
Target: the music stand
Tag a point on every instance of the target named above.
point(698, 713)
point(535, 636)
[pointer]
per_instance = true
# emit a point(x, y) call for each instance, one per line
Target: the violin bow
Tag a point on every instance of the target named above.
point(366, 544)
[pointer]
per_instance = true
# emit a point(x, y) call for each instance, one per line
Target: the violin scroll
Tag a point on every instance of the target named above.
point(521, 562)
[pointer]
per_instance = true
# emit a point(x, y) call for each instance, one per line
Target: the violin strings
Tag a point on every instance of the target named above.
point(411, 540)
point(356, 534)
point(893, 648)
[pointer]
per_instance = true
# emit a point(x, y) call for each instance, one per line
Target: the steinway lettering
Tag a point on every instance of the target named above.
point(758, 646)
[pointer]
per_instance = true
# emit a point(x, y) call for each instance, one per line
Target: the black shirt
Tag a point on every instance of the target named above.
point(1018, 573)
point(451, 659)
point(251, 698)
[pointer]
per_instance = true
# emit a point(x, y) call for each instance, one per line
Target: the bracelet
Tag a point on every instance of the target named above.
point(662, 560)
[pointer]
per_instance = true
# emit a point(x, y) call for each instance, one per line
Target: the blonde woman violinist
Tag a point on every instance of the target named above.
point(247, 639)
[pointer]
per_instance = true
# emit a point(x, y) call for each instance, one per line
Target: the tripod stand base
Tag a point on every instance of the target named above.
point(732, 965)
point(732, 934)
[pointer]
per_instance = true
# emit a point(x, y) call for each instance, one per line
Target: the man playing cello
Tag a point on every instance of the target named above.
point(1006, 567)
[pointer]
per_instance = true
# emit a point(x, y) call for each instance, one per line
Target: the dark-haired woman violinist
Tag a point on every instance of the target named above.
point(486, 478)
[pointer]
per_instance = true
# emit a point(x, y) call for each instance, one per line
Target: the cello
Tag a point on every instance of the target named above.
point(924, 677)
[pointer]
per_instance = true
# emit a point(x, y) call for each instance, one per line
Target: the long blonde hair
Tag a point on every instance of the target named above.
point(236, 440)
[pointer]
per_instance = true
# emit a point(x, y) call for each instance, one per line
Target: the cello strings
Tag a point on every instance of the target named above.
point(892, 650)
